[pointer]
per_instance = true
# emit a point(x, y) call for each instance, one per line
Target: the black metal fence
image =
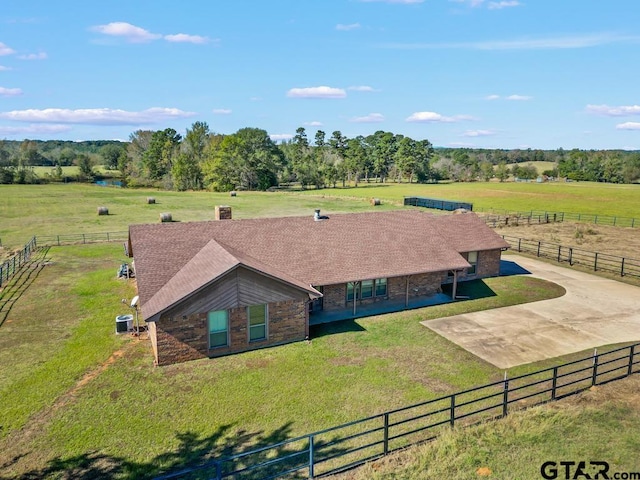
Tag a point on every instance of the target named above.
point(346, 446)
point(448, 205)
point(9, 267)
point(574, 256)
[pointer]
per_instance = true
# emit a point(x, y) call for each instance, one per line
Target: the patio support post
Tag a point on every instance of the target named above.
point(455, 285)
point(355, 290)
point(406, 300)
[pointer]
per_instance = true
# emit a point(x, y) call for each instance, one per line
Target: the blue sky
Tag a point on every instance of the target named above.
point(477, 73)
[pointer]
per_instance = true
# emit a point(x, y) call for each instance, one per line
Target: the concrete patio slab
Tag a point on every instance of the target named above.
point(595, 311)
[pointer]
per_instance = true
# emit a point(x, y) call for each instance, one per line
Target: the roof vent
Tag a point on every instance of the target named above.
point(317, 217)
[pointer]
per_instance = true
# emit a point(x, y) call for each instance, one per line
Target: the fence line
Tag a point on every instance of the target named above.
point(81, 238)
point(594, 218)
point(605, 262)
point(522, 218)
point(9, 267)
point(346, 446)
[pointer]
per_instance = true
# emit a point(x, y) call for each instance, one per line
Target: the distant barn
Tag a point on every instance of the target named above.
point(448, 205)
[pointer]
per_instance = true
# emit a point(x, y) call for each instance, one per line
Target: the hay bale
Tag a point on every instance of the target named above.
point(151, 200)
point(165, 217)
point(375, 201)
point(103, 211)
point(233, 193)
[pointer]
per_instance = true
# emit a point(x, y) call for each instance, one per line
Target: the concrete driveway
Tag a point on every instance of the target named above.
point(594, 312)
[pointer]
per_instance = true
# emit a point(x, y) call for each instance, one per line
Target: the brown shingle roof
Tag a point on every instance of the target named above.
point(301, 251)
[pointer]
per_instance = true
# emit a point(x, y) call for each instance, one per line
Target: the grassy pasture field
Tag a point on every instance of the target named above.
point(78, 398)
point(55, 209)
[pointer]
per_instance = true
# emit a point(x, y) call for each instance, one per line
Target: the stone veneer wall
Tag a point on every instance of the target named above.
point(183, 339)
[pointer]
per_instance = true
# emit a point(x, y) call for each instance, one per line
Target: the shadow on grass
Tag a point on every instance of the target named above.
point(194, 458)
point(341, 326)
point(19, 283)
point(473, 289)
point(508, 268)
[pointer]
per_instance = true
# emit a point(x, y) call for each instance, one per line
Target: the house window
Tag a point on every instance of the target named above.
point(218, 329)
point(472, 258)
point(381, 287)
point(366, 289)
point(257, 322)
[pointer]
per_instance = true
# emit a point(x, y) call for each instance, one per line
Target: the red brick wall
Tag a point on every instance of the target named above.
point(183, 339)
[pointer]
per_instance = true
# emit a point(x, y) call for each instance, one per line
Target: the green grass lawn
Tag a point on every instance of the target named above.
point(146, 419)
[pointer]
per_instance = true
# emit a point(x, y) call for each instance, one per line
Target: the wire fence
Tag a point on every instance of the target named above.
point(596, 261)
point(81, 238)
point(346, 446)
point(10, 267)
point(596, 219)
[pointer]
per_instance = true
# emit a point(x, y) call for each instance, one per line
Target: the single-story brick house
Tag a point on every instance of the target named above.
point(219, 287)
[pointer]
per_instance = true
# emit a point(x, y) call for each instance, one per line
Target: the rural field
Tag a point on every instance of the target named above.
point(79, 401)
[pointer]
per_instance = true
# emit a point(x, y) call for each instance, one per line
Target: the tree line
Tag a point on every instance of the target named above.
point(249, 159)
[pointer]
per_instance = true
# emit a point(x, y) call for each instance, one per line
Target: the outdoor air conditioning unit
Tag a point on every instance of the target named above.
point(124, 324)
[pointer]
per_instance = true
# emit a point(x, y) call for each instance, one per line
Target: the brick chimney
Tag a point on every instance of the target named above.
point(223, 212)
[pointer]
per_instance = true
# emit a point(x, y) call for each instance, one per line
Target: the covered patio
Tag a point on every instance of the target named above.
point(317, 318)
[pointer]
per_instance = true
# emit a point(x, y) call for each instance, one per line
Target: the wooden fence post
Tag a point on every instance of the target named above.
point(595, 263)
point(559, 252)
point(538, 248)
point(594, 377)
point(631, 353)
point(622, 268)
point(571, 256)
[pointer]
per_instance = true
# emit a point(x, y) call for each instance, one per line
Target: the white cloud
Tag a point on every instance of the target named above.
point(96, 116)
point(471, 3)
point(222, 111)
point(280, 136)
point(478, 133)
point(608, 111)
point(492, 97)
point(34, 129)
point(5, 50)
point(362, 88)
point(10, 92)
point(461, 144)
point(33, 56)
point(547, 43)
point(433, 117)
point(348, 27)
point(313, 124)
point(628, 126)
point(130, 32)
point(185, 38)
point(371, 118)
point(503, 4)
point(519, 97)
point(317, 92)
point(4, 69)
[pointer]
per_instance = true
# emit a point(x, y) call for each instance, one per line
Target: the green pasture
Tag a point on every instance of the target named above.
point(578, 197)
point(56, 209)
point(145, 419)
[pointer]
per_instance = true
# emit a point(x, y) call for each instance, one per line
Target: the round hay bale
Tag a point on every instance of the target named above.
point(151, 200)
point(375, 201)
point(103, 211)
point(165, 217)
point(459, 211)
point(233, 193)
